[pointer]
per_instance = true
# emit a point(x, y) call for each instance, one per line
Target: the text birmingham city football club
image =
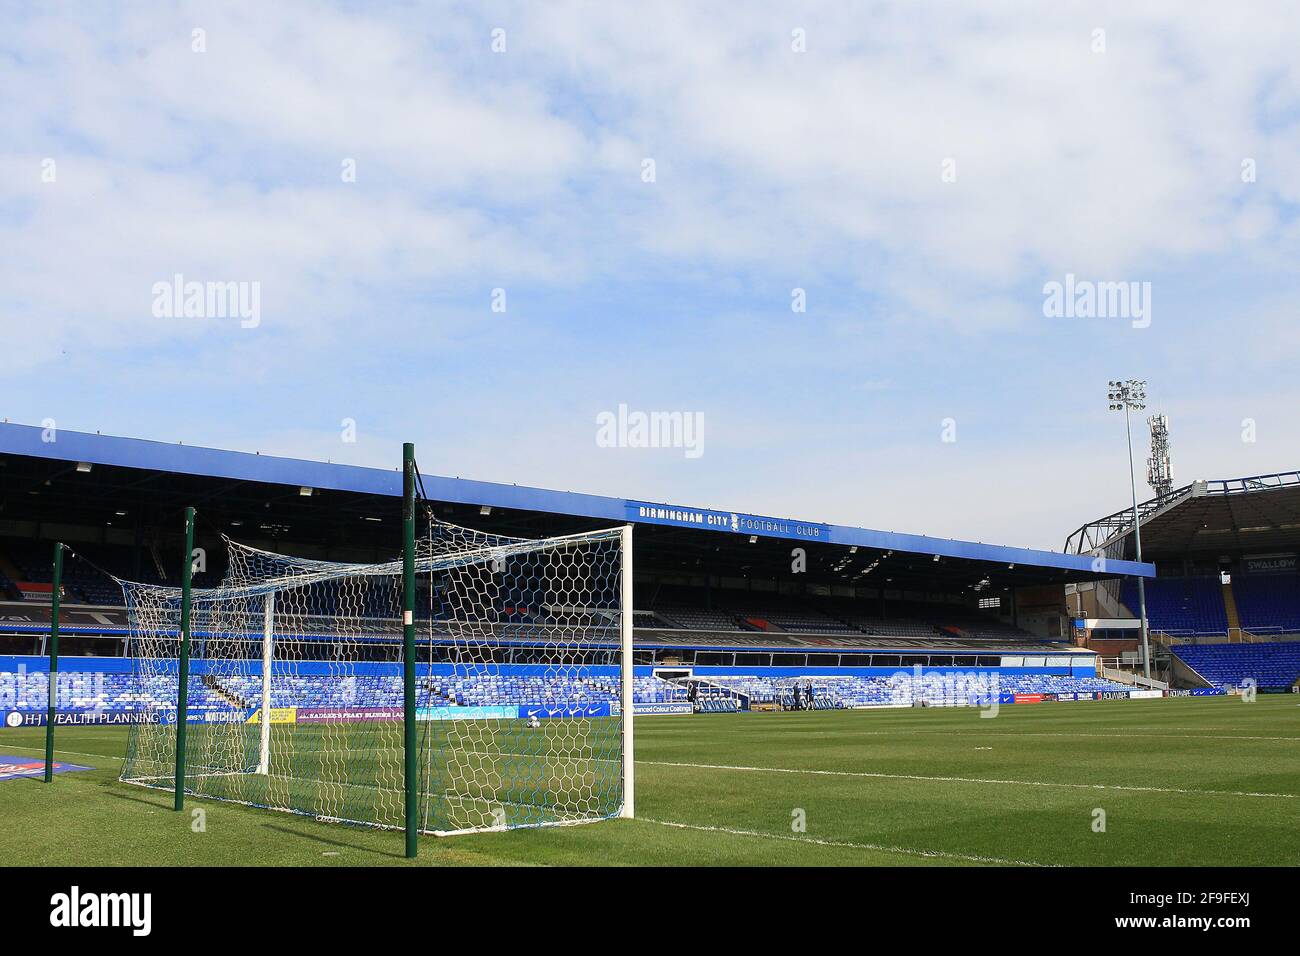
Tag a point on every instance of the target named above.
point(730, 521)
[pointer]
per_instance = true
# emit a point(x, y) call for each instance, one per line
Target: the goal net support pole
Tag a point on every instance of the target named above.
point(183, 665)
point(52, 707)
point(408, 650)
point(268, 655)
point(513, 707)
point(626, 680)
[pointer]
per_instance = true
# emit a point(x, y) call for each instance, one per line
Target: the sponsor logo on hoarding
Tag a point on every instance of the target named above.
point(279, 715)
point(37, 718)
point(684, 707)
point(1270, 562)
point(206, 717)
point(549, 713)
point(466, 713)
point(344, 715)
point(15, 768)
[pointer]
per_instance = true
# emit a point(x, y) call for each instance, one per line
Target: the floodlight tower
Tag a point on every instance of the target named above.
point(1160, 475)
point(1131, 394)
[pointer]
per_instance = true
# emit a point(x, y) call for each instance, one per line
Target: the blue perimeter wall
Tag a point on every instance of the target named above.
point(123, 665)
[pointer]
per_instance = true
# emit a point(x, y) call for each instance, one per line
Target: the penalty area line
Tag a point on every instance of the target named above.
point(976, 780)
point(843, 844)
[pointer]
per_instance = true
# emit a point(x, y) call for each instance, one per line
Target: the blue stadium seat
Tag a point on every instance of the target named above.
point(1270, 666)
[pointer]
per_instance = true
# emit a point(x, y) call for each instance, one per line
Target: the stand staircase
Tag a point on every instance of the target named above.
point(1230, 608)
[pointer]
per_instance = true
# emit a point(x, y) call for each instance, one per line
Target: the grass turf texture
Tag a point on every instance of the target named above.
point(563, 770)
point(1181, 781)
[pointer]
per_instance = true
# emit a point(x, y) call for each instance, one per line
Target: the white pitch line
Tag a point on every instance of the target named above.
point(977, 780)
point(909, 851)
point(75, 753)
point(964, 732)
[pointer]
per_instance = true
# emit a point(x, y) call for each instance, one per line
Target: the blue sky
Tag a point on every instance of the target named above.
point(775, 169)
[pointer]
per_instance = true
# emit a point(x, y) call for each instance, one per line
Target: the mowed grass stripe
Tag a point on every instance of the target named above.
point(813, 841)
point(973, 780)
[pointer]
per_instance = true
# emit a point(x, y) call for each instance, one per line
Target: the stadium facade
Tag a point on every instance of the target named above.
point(1224, 607)
point(729, 605)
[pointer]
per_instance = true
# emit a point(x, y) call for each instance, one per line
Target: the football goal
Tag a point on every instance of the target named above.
point(481, 682)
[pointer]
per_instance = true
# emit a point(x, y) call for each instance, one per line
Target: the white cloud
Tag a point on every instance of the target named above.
point(775, 169)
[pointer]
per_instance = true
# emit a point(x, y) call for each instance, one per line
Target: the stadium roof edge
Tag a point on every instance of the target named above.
point(36, 442)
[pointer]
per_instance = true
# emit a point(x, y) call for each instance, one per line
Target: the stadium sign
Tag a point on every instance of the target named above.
point(1264, 563)
point(204, 717)
point(342, 715)
point(34, 718)
point(279, 715)
point(732, 521)
point(665, 707)
point(466, 713)
point(551, 713)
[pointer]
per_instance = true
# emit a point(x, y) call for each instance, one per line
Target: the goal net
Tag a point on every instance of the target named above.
point(296, 683)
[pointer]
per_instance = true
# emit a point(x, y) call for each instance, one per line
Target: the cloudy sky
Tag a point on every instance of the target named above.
point(644, 187)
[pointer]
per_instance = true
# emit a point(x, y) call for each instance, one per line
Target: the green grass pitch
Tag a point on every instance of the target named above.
point(1179, 781)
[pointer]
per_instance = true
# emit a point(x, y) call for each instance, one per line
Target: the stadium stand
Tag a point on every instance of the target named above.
point(83, 582)
point(115, 690)
point(697, 619)
point(1181, 605)
point(1268, 602)
point(1271, 666)
point(670, 608)
point(772, 612)
point(895, 690)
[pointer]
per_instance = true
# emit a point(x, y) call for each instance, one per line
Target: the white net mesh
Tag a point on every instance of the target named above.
point(518, 683)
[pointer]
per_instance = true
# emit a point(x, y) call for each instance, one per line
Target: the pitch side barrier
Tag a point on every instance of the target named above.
point(24, 695)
